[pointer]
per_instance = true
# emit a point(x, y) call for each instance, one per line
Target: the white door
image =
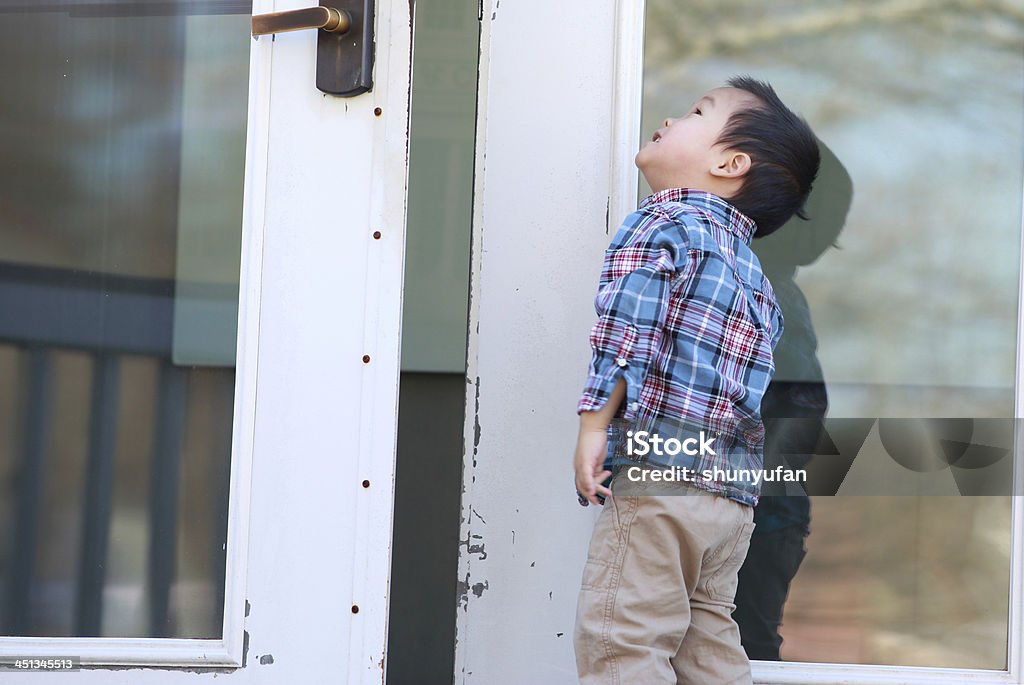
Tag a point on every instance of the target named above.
point(915, 315)
point(187, 498)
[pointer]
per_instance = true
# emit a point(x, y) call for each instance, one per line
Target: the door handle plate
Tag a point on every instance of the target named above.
point(344, 42)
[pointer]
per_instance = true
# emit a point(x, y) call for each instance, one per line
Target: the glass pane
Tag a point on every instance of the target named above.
point(440, 203)
point(435, 310)
point(123, 131)
point(900, 297)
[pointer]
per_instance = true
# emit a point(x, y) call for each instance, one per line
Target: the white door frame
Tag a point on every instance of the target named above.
point(307, 540)
point(554, 166)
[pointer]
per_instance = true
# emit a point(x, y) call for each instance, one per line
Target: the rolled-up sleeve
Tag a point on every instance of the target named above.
point(632, 304)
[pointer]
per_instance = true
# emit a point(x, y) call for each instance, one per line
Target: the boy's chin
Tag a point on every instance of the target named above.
point(643, 174)
point(638, 161)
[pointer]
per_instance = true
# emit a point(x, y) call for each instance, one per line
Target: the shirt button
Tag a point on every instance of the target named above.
point(621, 361)
point(634, 406)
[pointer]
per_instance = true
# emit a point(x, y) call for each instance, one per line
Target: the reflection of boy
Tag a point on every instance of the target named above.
point(687, 324)
point(792, 408)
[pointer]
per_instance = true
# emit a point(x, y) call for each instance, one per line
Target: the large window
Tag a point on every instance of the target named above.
point(902, 289)
point(123, 137)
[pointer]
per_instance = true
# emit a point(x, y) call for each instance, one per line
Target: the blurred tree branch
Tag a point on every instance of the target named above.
point(706, 30)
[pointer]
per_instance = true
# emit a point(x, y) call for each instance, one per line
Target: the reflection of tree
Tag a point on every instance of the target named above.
point(705, 29)
point(852, 54)
point(917, 97)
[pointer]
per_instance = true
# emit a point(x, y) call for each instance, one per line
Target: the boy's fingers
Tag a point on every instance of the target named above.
point(589, 476)
point(589, 486)
point(585, 486)
point(600, 478)
point(590, 497)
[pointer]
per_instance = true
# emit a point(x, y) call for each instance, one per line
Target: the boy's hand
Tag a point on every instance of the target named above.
point(591, 446)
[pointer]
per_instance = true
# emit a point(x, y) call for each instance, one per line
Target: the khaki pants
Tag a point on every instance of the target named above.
point(657, 594)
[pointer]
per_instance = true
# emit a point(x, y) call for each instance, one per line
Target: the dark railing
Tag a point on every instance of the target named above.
point(44, 310)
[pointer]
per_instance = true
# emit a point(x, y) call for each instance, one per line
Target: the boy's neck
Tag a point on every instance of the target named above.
point(687, 189)
point(711, 184)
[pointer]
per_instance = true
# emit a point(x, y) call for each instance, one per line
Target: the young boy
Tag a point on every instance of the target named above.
point(682, 354)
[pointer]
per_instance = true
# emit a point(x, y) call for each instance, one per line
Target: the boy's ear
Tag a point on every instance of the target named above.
point(732, 164)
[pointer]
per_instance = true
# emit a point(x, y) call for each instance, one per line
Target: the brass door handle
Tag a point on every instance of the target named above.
point(329, 19)
point(344, 43)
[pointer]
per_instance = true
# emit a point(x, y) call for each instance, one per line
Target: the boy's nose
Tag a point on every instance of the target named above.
point(668, 122)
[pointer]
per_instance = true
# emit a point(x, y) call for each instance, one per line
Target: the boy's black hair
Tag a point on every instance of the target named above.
point(784, 157)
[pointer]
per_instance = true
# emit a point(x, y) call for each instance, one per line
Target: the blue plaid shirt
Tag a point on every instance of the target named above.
point(688, 319)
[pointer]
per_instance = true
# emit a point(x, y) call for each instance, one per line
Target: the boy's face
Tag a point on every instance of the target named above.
point(683, 153)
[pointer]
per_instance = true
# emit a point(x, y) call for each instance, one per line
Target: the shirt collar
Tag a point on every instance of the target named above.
point(734, 220)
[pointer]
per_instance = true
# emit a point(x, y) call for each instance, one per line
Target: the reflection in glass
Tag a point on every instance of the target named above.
point(435, 309)
point(792, 409)
point(123, 128)
point(915, 307)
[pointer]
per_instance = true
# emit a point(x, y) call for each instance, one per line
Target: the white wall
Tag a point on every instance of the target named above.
point(542, 192)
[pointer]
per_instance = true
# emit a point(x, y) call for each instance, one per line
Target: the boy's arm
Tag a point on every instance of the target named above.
point(632, 306)
point(592, 444)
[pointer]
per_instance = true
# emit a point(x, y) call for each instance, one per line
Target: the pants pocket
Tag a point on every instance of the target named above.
point(597, 575)
point(606, 543)
point(722, 581)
